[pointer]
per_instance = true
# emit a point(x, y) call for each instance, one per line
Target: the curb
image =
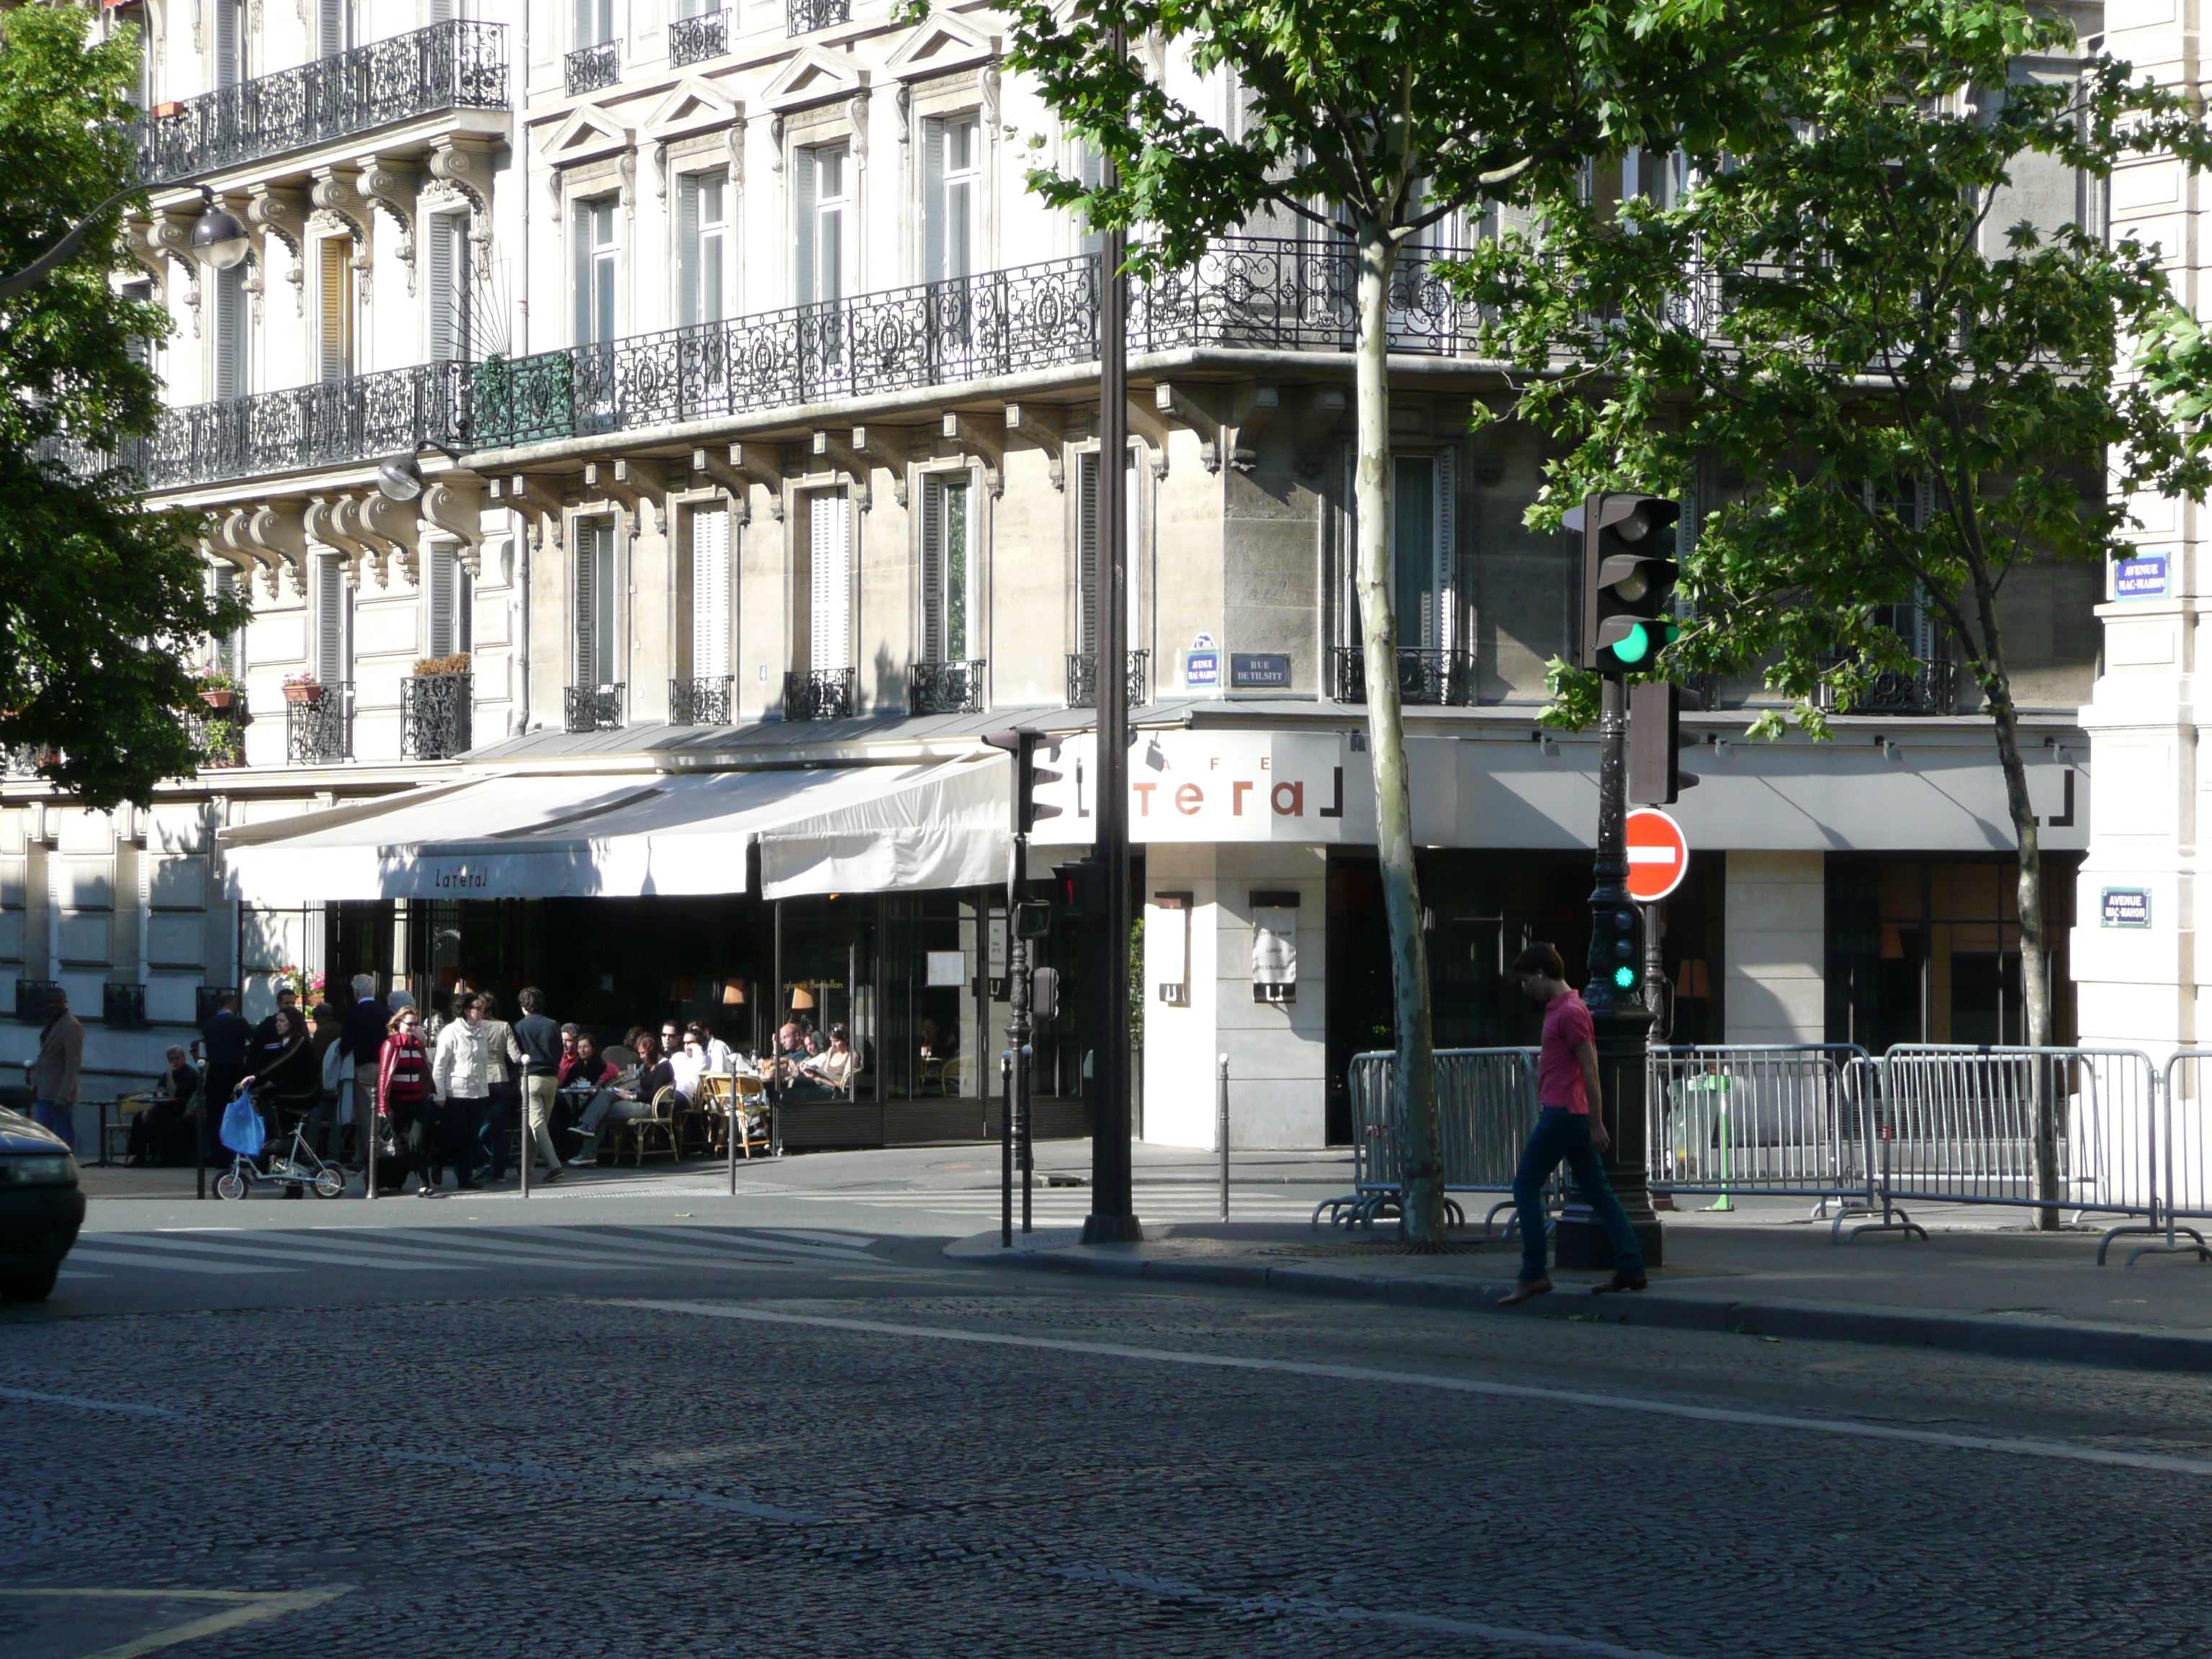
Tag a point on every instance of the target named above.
point(2112, 1346)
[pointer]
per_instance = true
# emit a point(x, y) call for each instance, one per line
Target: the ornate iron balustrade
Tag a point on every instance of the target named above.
point(436, 713)
point(1433, 678)
point(820, 694)
point(319, 732)
point(591, 67)
point(219, 734)
point(945, 688)
point(1269, 292)
point(1926, 688)
point(450, 65)
point(700, 701)
point(695, 40)
point(1083, 678)
point(805, 16)
point(592, 708)
point(31, 996)
point(122, 1004)
point(23, 759)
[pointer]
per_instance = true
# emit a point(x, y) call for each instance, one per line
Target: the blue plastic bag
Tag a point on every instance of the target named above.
point(241, 1128)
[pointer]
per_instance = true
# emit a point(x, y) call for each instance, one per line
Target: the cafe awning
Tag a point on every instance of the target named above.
point(852, 828)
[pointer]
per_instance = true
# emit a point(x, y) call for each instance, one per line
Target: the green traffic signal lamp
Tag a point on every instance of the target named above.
point(1625, 977)
point(1628, 580)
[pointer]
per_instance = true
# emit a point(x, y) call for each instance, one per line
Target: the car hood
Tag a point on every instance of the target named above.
point(19, 1134)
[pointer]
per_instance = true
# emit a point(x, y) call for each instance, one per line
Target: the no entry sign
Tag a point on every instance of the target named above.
point(1658, 854)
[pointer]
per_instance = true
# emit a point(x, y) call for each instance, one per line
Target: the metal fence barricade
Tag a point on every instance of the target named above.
point(2036, 1128)
point(2182, 1152)
point(1782, 1120)
point(1485, 1107)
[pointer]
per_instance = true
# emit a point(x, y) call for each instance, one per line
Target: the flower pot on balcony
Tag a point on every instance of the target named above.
point(217, 698)
point(307, 692)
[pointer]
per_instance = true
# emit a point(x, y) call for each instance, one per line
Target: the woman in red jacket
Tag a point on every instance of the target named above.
point(403, 1089)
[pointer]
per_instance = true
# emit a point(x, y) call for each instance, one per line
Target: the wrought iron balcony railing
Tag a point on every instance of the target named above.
point(1083, 678)
point(805, 16)
point(219, 734)
point(1269, 292)
point(820, 694)
point(700, 701)
point(23, 759)
point(449, 65)
point(591, 67)
point(31, 996)
point(592, 709)
point(319, 731)
point(945, 688)
point(436, 713)
point(1926, 688)
point(695, 40)
point(122, 1004)
point(1436, 678)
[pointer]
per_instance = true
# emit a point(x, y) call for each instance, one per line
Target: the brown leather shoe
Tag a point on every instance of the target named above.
point(1524, 1291)
point(1619, 1282)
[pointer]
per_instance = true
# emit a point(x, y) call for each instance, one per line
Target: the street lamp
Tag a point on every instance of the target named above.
point(399, 479)
point(217, 237)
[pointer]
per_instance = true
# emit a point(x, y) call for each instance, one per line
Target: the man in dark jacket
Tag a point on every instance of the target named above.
point(539, 1039)
point(227, 1037)
point(361, 1042)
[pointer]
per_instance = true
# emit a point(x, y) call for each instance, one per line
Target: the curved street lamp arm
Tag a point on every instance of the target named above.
point(31, 275)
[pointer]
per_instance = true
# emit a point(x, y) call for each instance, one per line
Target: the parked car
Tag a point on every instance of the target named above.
point(41, 1207)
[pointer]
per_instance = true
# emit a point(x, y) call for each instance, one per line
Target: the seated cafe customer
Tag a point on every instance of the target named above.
point(162, 1133)
point(828, 1075)
point(592, 1072)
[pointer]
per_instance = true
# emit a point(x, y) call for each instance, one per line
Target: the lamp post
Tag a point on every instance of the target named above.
point(217, 239)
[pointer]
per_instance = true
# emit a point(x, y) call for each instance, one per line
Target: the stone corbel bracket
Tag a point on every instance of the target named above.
point(283, 214)
point(216, 550)
point(1146, 426)
point(394, 186)
point(763, 464)
point(275, 528)
point(138, 240)
point(636, 484)
point(321, 522)
point(976, 438)
point(229, 536)
point(857, 467)
point(1320, 410)
point(454, 504)
point(1223, 417)
point(887, 447)
point(463, 161)
point(738, 486)
point(342, 210)
point(1045, 428)
point(534, 498)
point(170, 235)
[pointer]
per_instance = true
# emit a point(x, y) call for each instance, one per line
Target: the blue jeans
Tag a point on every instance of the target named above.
point(58, 1116)
point(1562, 1135)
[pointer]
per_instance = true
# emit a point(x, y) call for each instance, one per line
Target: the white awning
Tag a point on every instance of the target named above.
point(859, 828)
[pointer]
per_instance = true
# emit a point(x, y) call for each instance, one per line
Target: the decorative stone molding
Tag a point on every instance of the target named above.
point(393, 186)
point(276, 529)
point(538, 502)
point(138, 240)
point(976, 439)
point(395, 523)
point(283, 214)
point(856, 467)
point(454, 504)
point(943, 42)
point(172, 233)
point(340, 209)
point(1045, 427)
point(775, 143)
point(462, 162)
point(322, 524)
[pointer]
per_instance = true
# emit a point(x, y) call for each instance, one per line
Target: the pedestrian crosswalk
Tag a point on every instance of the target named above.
point(242, 1252)
point(1166, 1201)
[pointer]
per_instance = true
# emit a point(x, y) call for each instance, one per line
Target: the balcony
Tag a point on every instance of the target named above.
point(319, 729)
point(22, 760)
point(945, 688)
point(436, 713)
point(1083, 678)
point(820, 694)
point(695, 40)
point(704, 702)
point(805, 16)
point(31, 996)
point(1432, 678)
point(1926, 688)
point(451, 66)
point(590, 68)
point(124, 1005)
point(219, 734)
point(592, 708)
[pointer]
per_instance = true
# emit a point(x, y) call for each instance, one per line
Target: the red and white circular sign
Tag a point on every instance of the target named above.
point(1658, 854)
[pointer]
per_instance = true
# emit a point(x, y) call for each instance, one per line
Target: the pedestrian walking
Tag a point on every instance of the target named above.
point(536, 1046)
point(403, 1096)
point(55, 1075)
point(502, 1056)
point(225, 1039)
point(1569, 1128)
point(460, 1075)
point(361, 1041)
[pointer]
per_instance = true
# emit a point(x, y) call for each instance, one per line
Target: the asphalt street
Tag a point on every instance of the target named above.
point(621, 1424)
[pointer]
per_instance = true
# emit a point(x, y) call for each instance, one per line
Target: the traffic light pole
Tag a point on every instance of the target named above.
point(1623, 1025)
point(1018, 1025)
point(1113, 1217)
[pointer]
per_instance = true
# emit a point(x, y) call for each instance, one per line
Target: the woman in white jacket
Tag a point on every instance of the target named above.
point(460, 1072)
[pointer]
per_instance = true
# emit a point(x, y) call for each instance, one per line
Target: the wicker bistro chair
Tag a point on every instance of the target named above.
point(749, 1113)
point(703, 1126)
point(666, 1106)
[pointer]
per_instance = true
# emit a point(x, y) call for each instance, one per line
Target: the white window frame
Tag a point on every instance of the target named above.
point(951, 196)
point(595, 613)
point(706, 241)
point(709, 579)
point(333, 637)
point(829, 644)
point(449, 601)
point(824, 232)
point(446, 303)
point(934, 563)
point(598, 269)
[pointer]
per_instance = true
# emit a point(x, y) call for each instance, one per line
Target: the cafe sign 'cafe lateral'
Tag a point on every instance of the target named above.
point(1220, 786)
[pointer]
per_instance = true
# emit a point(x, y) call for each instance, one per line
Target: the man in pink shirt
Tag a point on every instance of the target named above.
point(1570, 1126)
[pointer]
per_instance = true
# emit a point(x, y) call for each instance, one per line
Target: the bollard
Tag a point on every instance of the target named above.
point(736, 1128)
point(525, 1138)
point(200, 1142)
point(1007, 1150)
point(1221, 1131)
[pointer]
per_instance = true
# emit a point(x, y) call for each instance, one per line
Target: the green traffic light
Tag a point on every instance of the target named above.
point(1634, 645)
point(1625, 977)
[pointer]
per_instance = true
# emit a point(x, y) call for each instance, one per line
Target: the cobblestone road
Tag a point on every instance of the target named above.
point(916, 1460)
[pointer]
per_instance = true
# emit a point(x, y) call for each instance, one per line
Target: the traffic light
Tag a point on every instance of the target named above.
point(1655, 744)
point(1617, 947)
point(1080, 887)
point(1044, 994)
point(1628, 578)
point(1022, 742)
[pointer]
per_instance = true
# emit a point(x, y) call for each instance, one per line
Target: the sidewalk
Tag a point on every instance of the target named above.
point(1977, 1287)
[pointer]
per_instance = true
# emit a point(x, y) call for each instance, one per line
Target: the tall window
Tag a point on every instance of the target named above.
point(231, 314)
point(951, 158)
point(595, 21)
point(334, 309)
point(596, 639)
point(449, 288)
point(333, 620)
point(1420, 549)
point(1086, 553)
point(229, 648)
point(830, 580)
point(823, 207)
point(945, 570)
point(452, 601)
point(703, 247)
point(597, 257)
point(229, 42)
point(710, 593)
point(333, 27)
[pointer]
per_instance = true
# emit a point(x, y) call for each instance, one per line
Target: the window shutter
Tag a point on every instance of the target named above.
point(330, 666)
point(831, 586)
point(582, 238)
point(932, 570)
point(710, 593)
point(1446, 570)
point(808, 230)
point(464, 607)
point(688, 250)
point(228, 72)
point(441, 600)
point(229, 652)
point(332, 278)
point(933, 200)
point(587, 23)
point(444, 336)
point(954, 582)
point(1086, 556)
point(441, 11)
point(331, 31)
point(588, 563)
point(230, 332)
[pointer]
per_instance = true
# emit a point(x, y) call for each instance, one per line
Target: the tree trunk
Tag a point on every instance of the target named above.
point(1414, 1082)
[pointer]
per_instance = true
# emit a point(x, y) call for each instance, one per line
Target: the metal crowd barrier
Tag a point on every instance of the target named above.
point(1780, 1119)
point(1486, 1105)
point(2180, 1153)
point(2035, 1128)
